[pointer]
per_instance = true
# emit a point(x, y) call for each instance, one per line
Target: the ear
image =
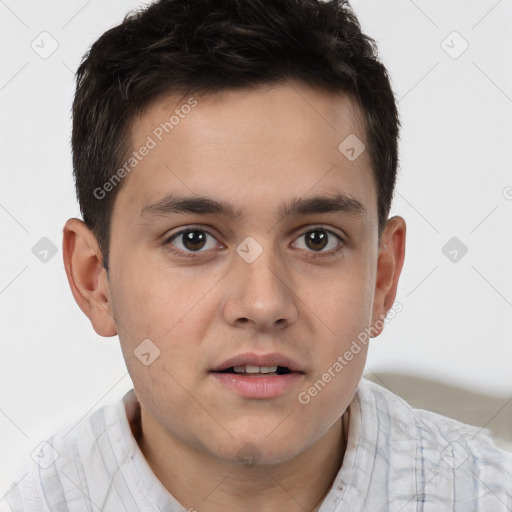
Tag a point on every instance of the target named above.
point(86, 276)
point(389, 266)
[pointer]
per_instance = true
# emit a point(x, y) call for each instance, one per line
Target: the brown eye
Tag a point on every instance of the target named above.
point(192, 240)
point(316, 240)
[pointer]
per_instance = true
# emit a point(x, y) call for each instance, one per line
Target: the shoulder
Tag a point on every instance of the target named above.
point(444, 454)
point(432, 429)
point(63, 466)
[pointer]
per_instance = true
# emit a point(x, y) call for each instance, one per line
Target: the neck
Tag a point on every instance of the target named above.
point(198, 480)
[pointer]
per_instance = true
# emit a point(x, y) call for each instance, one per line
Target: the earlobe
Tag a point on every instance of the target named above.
point(389, 266)
point(86, 276)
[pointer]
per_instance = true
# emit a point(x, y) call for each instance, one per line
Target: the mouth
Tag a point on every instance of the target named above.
point(257, 371)
point(256, 376)
point(250, 363)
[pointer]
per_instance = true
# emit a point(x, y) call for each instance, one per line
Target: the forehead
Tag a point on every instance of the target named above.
point(249, 145)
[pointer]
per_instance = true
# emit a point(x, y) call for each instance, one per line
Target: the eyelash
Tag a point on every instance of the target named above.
point(191, 255)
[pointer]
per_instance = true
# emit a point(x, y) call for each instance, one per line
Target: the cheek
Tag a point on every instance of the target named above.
point(344, 301)
point(170, 314)
point(170, 308)
point(155, 299)
point(344, 308)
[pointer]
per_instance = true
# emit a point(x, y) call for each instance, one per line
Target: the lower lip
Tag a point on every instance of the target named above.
point(258, 386)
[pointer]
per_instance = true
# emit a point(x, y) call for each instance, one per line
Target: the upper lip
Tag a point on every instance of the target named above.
point(253, 359)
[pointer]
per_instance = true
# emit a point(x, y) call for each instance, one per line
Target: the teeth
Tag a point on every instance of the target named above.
point(255, 369)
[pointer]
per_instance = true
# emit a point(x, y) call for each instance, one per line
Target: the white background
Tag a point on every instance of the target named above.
point(456, 155)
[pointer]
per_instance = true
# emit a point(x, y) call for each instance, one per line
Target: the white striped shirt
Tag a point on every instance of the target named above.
point(398, 459)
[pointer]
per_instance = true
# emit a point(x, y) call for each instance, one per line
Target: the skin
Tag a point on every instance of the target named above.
point(256, 150)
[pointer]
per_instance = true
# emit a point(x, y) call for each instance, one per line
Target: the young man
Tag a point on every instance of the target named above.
point(235, 164)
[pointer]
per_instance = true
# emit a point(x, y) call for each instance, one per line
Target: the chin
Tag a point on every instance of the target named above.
point(259, 450)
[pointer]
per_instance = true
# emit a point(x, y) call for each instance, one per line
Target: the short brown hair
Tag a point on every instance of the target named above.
point(205, 46)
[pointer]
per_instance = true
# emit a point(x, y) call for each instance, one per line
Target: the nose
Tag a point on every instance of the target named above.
point(260, 294)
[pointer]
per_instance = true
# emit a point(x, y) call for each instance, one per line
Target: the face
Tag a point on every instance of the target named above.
point(271, 272)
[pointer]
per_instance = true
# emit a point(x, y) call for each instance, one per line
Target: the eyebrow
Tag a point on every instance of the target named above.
point(171, 204)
